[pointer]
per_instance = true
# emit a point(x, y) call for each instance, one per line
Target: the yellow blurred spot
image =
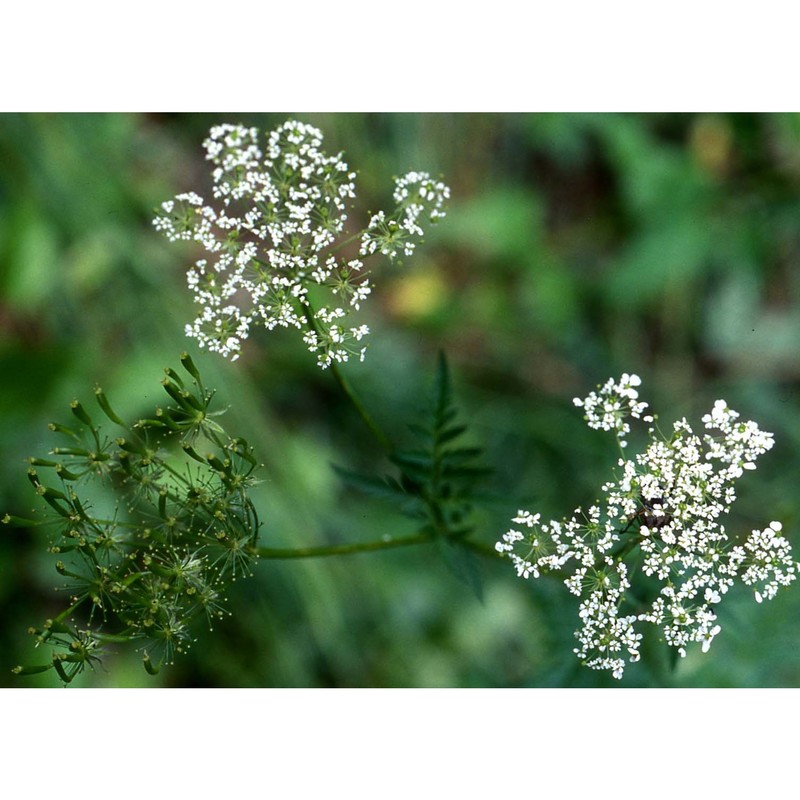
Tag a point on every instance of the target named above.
point(418, 294)
point(710, 141)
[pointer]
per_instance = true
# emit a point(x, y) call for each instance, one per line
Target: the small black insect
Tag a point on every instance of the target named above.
point(651, 514)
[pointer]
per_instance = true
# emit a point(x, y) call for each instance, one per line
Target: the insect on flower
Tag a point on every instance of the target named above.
point(651, 514)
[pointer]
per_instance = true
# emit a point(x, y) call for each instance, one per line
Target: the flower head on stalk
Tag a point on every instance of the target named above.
point(271, 242)
point(666, 501)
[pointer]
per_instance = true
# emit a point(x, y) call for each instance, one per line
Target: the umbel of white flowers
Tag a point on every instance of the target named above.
point(667, 501)
point(274, 238)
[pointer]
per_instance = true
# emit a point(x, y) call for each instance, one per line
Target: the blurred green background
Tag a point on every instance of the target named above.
point(576, 247)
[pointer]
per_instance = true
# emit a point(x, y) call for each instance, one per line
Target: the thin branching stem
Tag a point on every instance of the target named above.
point(349, 392)
point(365, 547)
point(341, 549)
point(345, 386)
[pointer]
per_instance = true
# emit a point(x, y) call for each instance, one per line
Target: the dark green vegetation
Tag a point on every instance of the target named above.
point(575, 248)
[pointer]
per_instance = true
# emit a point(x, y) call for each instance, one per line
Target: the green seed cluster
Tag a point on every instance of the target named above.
point(180, 528)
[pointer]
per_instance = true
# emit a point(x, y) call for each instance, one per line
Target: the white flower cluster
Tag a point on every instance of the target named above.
point(616, 401)
point(283, 213)
point(415, 193)
point(667, 502)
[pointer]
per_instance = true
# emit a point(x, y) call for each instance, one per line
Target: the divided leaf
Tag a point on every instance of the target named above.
point(438, 480)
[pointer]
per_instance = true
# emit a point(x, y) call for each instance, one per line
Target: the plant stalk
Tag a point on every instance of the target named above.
point(340, 549)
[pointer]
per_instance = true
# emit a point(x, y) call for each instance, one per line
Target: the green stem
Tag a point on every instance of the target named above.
point(74, 607)
point(63, 615)
point(365, 547)
point(626, 548)
point(341, 549)
point(345, 386)
point(345, 242)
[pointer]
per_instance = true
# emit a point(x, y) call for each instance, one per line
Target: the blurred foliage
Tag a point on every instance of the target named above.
point(576, 247)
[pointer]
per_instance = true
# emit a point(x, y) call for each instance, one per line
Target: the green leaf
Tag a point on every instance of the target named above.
point(421, 431)
point(466, 473)
point(460, 455)
point(449, 434)
point(442, 382)
point(462, 563)
point(437, 483)
point(414, 463)
point(375, 486)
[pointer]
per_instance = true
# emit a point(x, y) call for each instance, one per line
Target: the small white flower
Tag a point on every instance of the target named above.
point(711, 596)
point(709, 636)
